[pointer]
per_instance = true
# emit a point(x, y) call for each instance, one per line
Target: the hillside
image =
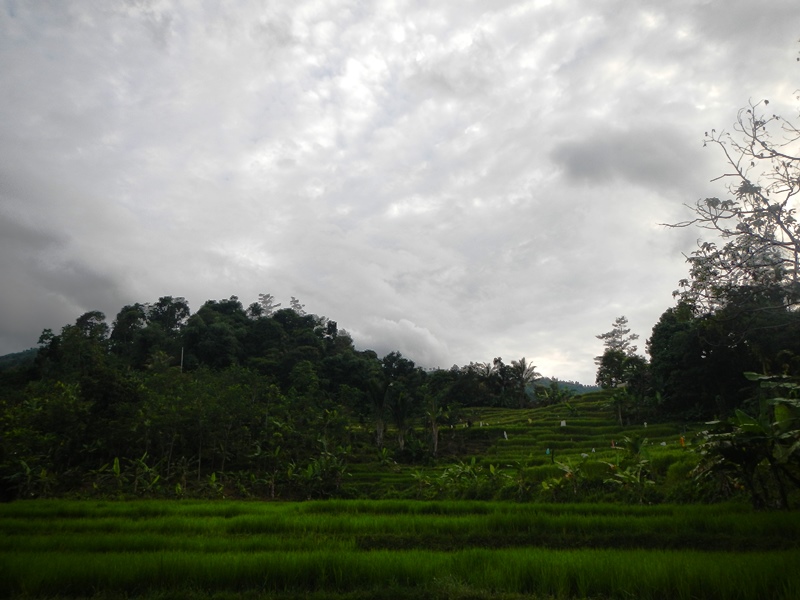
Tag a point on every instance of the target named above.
point(18, 359)
point(576, 440)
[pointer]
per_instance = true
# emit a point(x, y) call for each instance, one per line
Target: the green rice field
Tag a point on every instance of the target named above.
point(395, 549)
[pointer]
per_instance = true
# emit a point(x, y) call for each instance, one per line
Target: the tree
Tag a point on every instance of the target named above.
point(523, 375)
point(611, 370)
point(500, 380)
point(756, 225)
point(619, 364)
point(264, 307)
point(376, 391)
point(215, 334)
point(92, 325)
point(401, 407)
point(78, 349)
point(297, 307)
point(171, 313)
point(738, 305)
point(619, 338)
point(435, 414)
point(393, 390)
point(618, 369)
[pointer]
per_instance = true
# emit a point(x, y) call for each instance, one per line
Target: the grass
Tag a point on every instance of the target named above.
point(355, 549)
point(565, 574)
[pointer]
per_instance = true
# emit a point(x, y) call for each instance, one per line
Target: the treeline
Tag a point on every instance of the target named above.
point(272, 399)
point(699, 359)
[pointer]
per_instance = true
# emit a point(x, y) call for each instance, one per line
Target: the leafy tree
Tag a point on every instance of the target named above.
point(215, 334)
point(168, 312)
point(741, 293)
point(619, 365)
point(696, 365)
point(376, 392)
point(470, 386)
point(619, 369)
point(611, 370)
point(401, 408)
point(476, 384)
point(619, 338)
point(435, 414)
point(754, 250)
point(265, 306)
point(127, 340)
point(500, 379)
point(391, 393)
point(147, 334)
point(78, 349)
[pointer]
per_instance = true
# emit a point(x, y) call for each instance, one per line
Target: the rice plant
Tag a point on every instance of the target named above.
point(62, 548)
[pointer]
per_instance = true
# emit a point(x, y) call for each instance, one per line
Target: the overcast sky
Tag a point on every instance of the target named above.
point(456, 180)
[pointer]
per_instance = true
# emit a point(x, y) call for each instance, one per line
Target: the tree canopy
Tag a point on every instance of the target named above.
point(225, 390)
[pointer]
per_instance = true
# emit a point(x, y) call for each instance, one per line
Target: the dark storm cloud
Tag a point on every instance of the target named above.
point(653, 158)
point(41, 288)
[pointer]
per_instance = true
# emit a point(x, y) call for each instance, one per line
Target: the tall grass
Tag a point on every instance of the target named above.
point(352, 517)
point(565, 574)
point(60, 548)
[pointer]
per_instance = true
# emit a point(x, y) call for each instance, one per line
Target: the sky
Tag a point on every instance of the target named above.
point(456, 181)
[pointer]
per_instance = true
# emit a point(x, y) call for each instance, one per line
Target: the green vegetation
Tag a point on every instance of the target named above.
point(492, 453)
point(360, 549)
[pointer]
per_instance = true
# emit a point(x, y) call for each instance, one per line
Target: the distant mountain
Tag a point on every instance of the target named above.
point(578, 388)
point(18, 359)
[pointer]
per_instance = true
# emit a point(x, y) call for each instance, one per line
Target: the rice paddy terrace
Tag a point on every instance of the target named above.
point(584, 431)
point(359, 549)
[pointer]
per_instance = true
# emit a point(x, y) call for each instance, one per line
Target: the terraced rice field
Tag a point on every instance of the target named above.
point(520, 439)
point(395, 549)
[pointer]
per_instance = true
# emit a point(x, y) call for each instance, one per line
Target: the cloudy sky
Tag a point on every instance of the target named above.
point(455, 180)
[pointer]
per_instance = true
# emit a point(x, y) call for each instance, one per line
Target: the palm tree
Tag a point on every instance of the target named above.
point(523, 374)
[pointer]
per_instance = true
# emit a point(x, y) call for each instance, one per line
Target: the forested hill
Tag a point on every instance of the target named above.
point(221, 334)
point(18, 359)
point(573, 386)
point(226, 387)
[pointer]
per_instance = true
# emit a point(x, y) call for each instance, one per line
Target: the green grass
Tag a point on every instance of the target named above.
point(564, 574)
point(417, 549)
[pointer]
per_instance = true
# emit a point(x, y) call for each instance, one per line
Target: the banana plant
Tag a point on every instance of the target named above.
point(146, 478)
point(635, 477)
point(759, 454)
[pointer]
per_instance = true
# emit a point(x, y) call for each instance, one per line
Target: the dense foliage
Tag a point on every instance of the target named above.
point(165, 396)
